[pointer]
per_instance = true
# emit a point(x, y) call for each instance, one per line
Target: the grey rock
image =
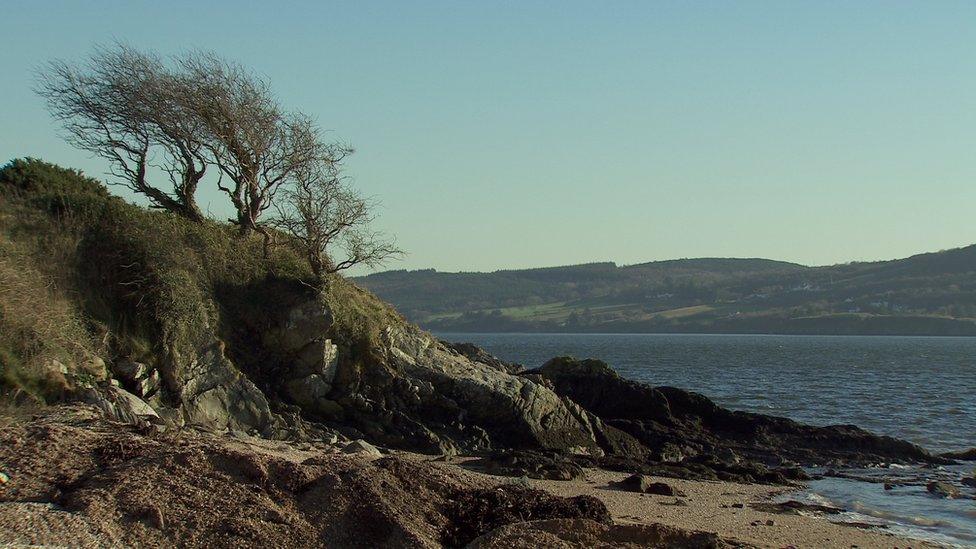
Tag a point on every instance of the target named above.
point(318, 357)
point(130, 370)
point(216, 395)
point(362, 447)
point(149, 385)
point(172, 417)
point(306, 391)
point(969, 481)
point(300, 326)
point(644, 484)
point(119, 404)
point(512, 410)
point(477, 354)
point(330, 438)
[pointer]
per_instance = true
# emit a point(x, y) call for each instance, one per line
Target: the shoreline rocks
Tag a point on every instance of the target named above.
point(666, 417)
point(645, 485)
point(962, 455)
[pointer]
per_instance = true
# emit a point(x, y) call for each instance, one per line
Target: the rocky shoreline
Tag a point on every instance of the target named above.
point(75, 479)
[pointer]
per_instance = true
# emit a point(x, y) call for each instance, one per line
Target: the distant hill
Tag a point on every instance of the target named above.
point(926, 294)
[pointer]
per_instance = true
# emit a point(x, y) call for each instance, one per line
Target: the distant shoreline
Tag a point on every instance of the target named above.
point(729, 334)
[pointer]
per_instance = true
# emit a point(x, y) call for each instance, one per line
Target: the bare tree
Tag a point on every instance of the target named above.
point(330, 221)
point(149, 117)
point(128, 108)
point(254, 143)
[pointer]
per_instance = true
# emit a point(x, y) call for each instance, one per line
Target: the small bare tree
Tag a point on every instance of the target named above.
point(329, 220)
point(254, 143)
point(128, 108)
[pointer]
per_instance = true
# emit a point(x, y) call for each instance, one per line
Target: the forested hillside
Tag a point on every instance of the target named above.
point(932, 293)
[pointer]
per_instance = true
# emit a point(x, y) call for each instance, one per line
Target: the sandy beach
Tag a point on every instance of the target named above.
point(712, 506)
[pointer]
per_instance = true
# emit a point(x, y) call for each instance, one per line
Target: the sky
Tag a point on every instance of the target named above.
point(523, 134)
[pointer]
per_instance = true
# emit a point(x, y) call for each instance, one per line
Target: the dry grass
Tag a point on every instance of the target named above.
point(40, 329)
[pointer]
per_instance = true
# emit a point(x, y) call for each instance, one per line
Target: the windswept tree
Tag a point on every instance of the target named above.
point(150, 118)
point(256, 145)
point(328, 220)
point(130, 109)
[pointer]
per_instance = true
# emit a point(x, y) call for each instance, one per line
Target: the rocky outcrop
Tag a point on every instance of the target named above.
point(674, 423)
point(215, 394)
point(410, 391)
point(421, 394)
point(477, 354)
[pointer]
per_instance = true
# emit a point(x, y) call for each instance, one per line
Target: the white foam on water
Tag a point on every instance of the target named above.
point(906, 510)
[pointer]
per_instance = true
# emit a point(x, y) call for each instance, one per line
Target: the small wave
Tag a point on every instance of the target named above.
point(895, 517)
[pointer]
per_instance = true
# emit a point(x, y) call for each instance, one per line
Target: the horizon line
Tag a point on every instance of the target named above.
point(624, 266)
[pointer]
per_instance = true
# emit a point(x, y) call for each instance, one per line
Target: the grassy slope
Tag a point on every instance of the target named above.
point(86, 278)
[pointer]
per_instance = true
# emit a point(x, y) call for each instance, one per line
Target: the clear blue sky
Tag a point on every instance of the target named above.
point(523, 134)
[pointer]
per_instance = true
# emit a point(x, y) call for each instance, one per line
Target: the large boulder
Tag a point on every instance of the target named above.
point(514, 411)
point(119, 404)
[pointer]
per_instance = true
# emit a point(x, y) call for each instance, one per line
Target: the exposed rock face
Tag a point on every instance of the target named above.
point(143, 380)
point(471, 404)
point(668, 418)
point(477, 354)
point(412, 392)
point(214, 393)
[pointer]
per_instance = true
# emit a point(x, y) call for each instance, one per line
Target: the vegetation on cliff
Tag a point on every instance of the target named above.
point(86, 278)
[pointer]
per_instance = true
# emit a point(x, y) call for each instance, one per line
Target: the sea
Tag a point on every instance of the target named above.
point(922, 389)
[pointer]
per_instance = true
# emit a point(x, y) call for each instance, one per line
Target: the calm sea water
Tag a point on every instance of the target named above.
point(922, 389)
